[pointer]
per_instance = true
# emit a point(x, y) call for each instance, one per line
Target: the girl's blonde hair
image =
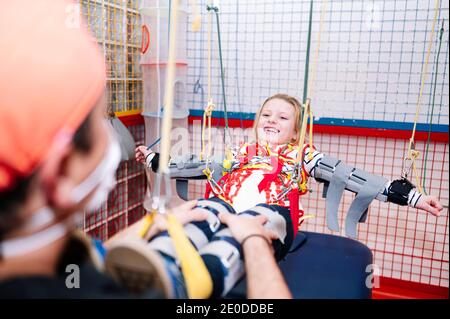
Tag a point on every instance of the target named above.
point(297, 109)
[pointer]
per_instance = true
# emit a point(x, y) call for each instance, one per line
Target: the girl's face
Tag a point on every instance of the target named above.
point(277, 122)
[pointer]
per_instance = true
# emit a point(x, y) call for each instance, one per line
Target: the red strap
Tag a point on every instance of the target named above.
point(270, 177)
point(208, 190)
point(293, 206)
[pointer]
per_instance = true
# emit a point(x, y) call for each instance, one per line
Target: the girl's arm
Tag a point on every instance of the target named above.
point(401, 192)
point(147, 157)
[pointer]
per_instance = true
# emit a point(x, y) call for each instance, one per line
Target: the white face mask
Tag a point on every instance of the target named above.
point(43, 217)
point(101, 181)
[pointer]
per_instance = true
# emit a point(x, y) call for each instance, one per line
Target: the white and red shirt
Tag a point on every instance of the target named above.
point(260, 174)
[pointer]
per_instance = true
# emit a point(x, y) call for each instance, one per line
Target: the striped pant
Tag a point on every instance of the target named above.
point(221, 253)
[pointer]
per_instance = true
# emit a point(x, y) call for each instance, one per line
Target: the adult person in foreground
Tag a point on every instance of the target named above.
point(58, 158)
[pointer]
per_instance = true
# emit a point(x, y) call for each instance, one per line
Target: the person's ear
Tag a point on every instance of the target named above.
point(53, 173)
point(294, 136)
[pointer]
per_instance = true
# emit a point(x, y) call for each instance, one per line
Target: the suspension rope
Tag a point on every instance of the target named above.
point(216, 10)
point(309, 85)
point(312, 79)
point(308, 48)
point(412, 153)
point(434, 85)
point(207, 114)
point(209, 53)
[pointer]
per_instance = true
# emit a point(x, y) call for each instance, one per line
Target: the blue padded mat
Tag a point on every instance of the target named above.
point(322, 266)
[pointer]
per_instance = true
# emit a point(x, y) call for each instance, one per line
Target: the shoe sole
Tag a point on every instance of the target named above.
point(135, 266)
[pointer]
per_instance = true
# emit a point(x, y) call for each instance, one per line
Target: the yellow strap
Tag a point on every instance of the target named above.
point(303, 183)
point(414, 155)
point(196, 276)
point(310, 154)
point(301, 140)
point(260, 165)
point(147, 223)
point(207, 172)
point(207, 115)
point(307, 113)
point(228, 161)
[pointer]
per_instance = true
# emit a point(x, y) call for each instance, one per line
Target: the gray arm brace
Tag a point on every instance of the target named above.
point(340, 176)
point(190, 167)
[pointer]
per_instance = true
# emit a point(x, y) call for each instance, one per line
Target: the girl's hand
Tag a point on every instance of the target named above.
point(429, 204)
point(141, 153)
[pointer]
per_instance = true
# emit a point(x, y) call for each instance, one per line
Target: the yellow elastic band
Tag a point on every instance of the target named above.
point(196, 276)
point(147, 223)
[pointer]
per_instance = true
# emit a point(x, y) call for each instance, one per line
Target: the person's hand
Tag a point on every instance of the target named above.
point(244, 226)
point(141, 153)
point(430, 204)
point(184, 213)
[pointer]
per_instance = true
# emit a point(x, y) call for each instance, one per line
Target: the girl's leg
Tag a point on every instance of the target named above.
point(139, 268)
point(199, 233)
point(223, 255)
point(279, 220)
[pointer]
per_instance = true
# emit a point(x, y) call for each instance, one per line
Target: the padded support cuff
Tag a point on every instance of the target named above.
point(336, 188)
point(230, 259)
point(340, 176)
point(399, 190)
point(275, 221)
point(373, 185)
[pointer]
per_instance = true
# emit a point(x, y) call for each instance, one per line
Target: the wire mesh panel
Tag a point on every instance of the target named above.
point(116, 26)
point(369, 68)
point(125, 202)
point(370, 62)
point(407, 244)
point(369, 65)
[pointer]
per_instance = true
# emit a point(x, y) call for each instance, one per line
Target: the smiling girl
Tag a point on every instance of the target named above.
point(263, 178)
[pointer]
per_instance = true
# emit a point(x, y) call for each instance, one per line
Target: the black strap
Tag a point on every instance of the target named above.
point(399, 190)
point(155, 162)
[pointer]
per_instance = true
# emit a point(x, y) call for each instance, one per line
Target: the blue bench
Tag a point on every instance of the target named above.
point(322, 266)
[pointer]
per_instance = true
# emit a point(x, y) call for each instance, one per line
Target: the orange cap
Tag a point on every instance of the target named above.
point(51, 76)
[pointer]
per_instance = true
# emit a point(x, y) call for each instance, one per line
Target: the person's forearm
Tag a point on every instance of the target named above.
point(264, 278)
